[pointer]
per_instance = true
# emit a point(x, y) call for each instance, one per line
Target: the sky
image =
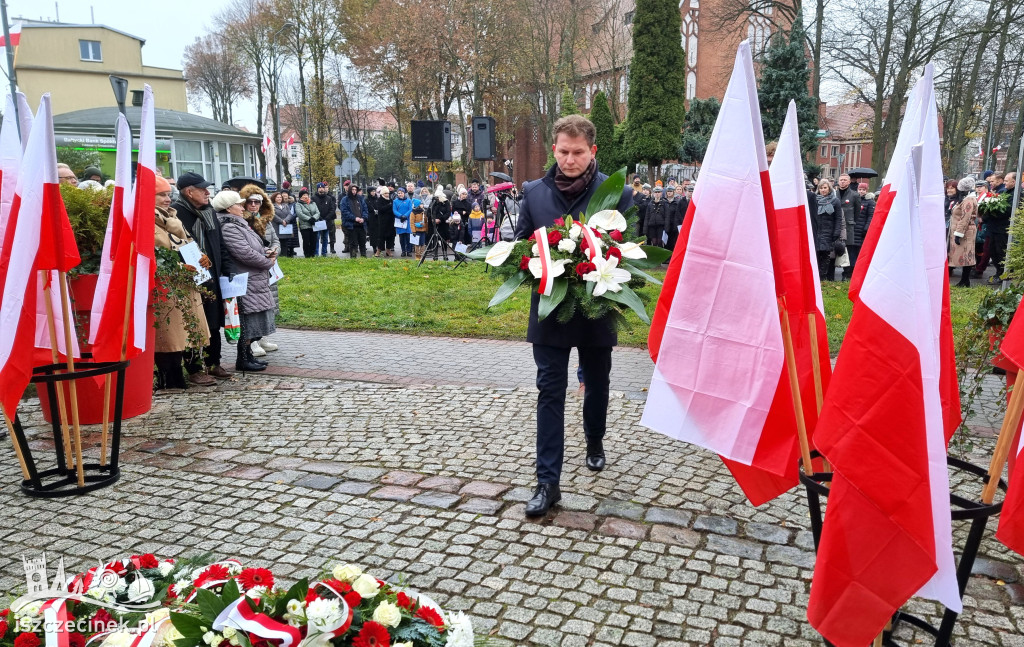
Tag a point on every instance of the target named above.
point(167, 27)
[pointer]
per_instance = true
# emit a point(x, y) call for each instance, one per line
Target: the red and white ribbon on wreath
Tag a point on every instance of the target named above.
point(227, 563)
point(593, 241)
point(547, 281)
point(334, 630)
point(145, 639)
point(239, 615)
point(55, 622)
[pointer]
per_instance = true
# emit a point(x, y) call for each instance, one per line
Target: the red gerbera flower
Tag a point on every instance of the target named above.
point(524, 263)
point(251, 577)
point(3, 628)
point(554, 237)
point(76, 639)
point(372, 634)
point(614, 251)
point(405, 602)
point(431, 616)
point(26, 639)
point(215, 573)
point(615, 235)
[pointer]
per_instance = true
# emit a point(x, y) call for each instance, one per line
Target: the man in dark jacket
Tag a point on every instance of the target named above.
point(327, 206)
point(673, 215)
point(194, 210)
point(567, 189)
point(656, 219)
point(849, 200)
point(354, 213)
point(998, 225)
point(477, 195)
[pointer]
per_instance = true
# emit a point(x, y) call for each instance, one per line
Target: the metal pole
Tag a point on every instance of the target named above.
point(309, 162)
point(991, 126)
point(277, 104)
point(1016, 199)
point(11, 75)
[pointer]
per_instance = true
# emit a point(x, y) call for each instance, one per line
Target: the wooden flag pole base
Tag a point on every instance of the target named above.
point(124, 354)
point(819, 391)
point(1003, 445)
point(61, 406)
point(794, 388)
point(17, 445)
point(65, 310)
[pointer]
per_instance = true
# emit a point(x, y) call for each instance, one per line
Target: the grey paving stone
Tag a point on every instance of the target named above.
point(317, 482)
point(395, 493)
point(625, 509)
point(481, 506)
point(668, 515)
point(436, 499)
point(716, 524)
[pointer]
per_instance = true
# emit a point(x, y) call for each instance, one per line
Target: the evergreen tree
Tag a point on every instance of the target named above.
point(568, 103)
point(657, 88)
point(785, 75)
point(608, 158)
point(697, 127)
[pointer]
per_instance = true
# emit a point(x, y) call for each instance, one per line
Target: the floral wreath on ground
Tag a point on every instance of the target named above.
point(144, 601)
point(592, 264)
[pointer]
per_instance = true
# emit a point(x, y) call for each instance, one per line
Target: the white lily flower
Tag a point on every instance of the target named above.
point(607, 276)
point(632, 251)
point(557, 267)
point(608, 220)
point(498, 254)
point(566, 245)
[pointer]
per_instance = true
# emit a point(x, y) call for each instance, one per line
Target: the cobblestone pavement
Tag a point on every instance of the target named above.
point(413, 456)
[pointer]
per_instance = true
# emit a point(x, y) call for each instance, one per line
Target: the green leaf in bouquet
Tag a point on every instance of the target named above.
point(230, 592)
point(210, 604)
point(655, 257)
point(508, 287)
point(629, 299)
point(608, 194)
point(547, 303)
point(478, 254)
point(190, 627)
point(297, 592)
point(635, 271)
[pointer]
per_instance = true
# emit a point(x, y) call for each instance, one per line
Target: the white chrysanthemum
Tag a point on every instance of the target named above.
point(575, 233)
point(165, 568)
point(607, 277)
point(324, 615)
point(499, 252)
point(567, 246)
point(346, 573)
point(460, 630)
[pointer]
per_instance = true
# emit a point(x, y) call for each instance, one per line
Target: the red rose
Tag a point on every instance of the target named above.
point(533, 236)
point(26, 640)
point(372, 634)
point(3, 628)
point(554, 237)
point(352, 599)
point(582, 268)
point(614, 251)
point(584, 245)
point(76, 639)
point(615, 235)
point(524, 263)
point(102, 621)
point(431, 616)
point(146, 561)
point(252, 577)
point(405, 602)
point(559, 222)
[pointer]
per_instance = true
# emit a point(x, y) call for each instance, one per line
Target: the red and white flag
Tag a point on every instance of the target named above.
point(13, 139)
point(779, 442)
point(267, 144)
point(38, 237)
point(921, 125)
point(291, 140)
point(131, 278)
point(15, 32)
point(716, 337)
point(1011, 519)
point(887, 533)
point(119, 218)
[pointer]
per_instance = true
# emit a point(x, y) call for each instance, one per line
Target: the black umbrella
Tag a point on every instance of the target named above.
point(238, 183)
point(861, 171)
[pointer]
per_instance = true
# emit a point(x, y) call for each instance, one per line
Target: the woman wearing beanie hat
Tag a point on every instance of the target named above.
point(963, 232)
point(172, 338)
point(306, 214)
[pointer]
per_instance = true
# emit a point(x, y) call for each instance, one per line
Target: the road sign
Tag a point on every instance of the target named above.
point(349, 166)
point(349, 145)
point(338, 172)
point(432, 176)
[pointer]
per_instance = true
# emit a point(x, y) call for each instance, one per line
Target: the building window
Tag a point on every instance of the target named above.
point(824, 151)
point(622, 89)
point(628, 18)
point(835, 151)
point(188, 157)
point(90, 50)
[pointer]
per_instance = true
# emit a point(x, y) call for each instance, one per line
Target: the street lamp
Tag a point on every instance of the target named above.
point(120, 87)
point(277, 99)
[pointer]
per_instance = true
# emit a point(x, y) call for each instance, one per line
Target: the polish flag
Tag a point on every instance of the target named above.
point(921, 125)
point(716, 336)
point(15, 32)
point(38, 237)
point(13, 138)
point(798, 260)
point(268, 143)
point(119, 218)
point(131, 278)
point(887, 533)
point(1011, 520)
point(291, 140)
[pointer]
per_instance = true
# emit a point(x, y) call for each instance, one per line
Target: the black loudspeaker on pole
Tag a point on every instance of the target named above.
point(484, 146)
point(432, 140)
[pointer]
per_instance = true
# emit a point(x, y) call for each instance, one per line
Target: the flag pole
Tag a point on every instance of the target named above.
point(1009, 429)
point(14, 441)
point(71, 369)
point(794, 387)
point(812, 327)
point(61, 406)
point(124, 354)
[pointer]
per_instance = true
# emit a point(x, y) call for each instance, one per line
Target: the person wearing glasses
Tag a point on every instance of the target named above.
point(193, 209)
point(65, 175)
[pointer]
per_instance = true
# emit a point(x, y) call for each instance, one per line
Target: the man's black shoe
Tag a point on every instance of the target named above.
point(249, 367)
point(545, 496)
point(595, 455)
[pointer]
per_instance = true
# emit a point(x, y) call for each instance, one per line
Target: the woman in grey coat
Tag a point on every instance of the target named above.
point(250, 255)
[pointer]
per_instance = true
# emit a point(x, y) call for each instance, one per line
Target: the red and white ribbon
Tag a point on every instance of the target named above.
point(315, 634)
point(146, 638)
point(239, 615)
point(593, 241)
point(55, 622)
point(547, 281)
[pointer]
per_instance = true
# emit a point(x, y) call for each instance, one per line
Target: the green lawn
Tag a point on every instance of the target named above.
point(394, 295)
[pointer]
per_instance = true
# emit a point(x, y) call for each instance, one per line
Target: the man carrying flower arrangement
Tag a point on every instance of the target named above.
point(566, 190)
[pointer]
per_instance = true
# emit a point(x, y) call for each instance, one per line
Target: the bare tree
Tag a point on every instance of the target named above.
point(215, 75)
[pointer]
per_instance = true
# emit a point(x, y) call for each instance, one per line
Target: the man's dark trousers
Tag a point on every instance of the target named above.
point(213, 311)
point(552, 381)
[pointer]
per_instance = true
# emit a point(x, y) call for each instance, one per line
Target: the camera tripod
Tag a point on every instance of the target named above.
point(435, 243)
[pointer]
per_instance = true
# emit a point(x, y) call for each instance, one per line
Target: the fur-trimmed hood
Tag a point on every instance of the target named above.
point(266, 209)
